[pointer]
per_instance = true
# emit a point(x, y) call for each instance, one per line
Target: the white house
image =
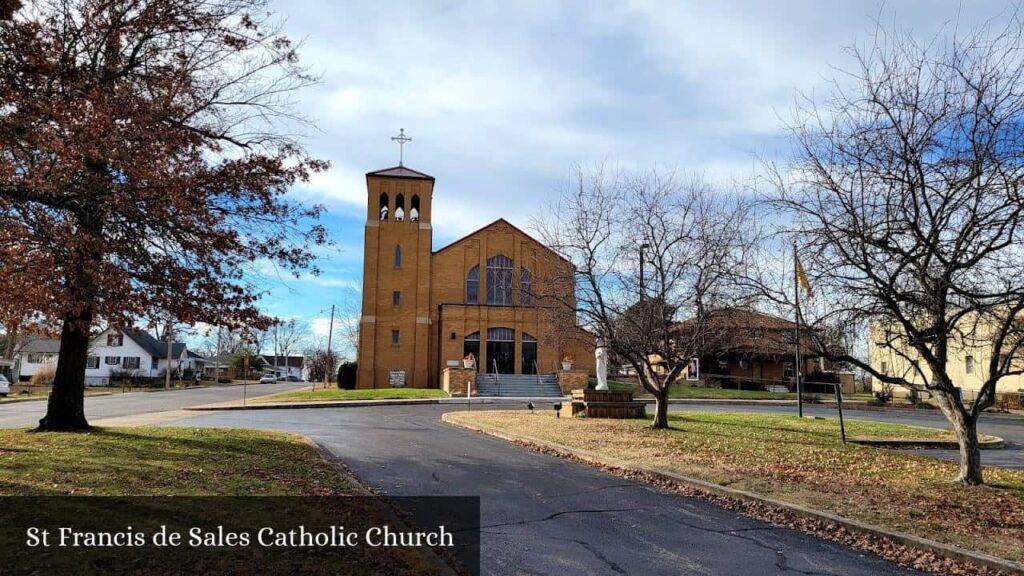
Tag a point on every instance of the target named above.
point(112, 353)
point(286, 366)
point(133, 351)
point(37, 354)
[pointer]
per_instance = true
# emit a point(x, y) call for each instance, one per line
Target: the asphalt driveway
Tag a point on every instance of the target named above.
point(544, 515)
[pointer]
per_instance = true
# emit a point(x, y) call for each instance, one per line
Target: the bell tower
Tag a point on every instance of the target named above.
point(394, 327)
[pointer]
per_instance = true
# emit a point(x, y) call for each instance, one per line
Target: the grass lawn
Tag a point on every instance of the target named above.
point(365, 394)
point(803, 462)
point(188, 462)
point(163, 461)
point(683, 391)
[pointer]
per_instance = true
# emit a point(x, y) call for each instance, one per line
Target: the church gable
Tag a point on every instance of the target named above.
point(502, 227)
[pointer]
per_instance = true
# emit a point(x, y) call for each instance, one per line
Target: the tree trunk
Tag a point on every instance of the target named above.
point(966, 431)
point(660, 410)
point(65, 410)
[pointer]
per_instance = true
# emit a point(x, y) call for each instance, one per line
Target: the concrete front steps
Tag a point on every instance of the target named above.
point(518, 386)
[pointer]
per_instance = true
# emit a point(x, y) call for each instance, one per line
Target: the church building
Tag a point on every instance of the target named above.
point(497, 293)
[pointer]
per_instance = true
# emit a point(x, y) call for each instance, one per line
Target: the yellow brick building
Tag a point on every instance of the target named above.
point(424, 310)
point(967, 363)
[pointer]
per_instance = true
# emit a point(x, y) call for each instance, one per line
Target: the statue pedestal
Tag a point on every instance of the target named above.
point(605, 404)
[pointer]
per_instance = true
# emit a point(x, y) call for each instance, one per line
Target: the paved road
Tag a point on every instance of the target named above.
point(24, 414)
point(544, 515)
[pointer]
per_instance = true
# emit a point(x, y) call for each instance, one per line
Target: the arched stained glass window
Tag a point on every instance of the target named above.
point(499, 280)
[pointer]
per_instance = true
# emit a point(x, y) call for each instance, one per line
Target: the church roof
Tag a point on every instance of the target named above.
point(498, 222)
point(401, 172)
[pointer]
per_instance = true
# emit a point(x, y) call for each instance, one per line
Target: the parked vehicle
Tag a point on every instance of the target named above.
point(268, 379)
point(293, 378)
point(5, 387)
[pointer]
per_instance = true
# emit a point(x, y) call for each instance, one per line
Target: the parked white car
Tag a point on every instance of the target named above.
point(268, 379)
point(5, 386)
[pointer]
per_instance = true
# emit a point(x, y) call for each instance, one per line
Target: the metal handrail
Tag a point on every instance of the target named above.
point(496, 377)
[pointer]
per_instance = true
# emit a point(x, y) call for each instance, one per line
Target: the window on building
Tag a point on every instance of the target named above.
point(723, 365)
point(414, 208)
point(35, 358)
point(525, 288)
point(130, 362)
point(154, 363)
point(499, 280)
point(473, 285)
point(885, 368)
point(111, 360)
point(399, 208)
point(383, 206)
point(396, 298)
point(787, 370)
point(92, 362)
point(395, 337)
point(398, 256)
point(969, 364)
point(115, 339)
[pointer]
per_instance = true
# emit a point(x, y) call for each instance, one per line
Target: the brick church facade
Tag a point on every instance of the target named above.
point(489, 293)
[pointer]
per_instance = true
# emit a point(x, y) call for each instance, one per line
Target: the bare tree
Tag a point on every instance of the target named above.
point(287, 336)
point(320, 361)
point(905, 193)
point(648, 249)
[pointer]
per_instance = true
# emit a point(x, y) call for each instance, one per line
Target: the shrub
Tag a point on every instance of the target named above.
point(347, 375)
point(44, 377)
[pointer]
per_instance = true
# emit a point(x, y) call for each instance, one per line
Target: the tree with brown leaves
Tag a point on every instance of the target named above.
point(145, 153)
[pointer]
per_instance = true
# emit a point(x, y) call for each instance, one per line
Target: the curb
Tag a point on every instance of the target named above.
point(303, 405)
point(994, 443)
point(939, 549)
point(455, 401)
point(389, 514)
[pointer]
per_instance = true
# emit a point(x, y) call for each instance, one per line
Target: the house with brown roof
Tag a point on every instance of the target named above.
point(748, 349)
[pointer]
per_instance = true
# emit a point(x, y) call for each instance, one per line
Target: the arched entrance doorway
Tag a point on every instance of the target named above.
point(501, 350)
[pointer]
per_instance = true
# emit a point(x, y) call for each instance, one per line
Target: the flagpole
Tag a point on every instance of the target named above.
point(796, 305)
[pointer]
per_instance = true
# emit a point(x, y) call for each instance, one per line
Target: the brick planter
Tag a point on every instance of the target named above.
point(605, 404)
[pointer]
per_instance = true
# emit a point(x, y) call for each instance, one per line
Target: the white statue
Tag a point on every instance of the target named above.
point(601, 358)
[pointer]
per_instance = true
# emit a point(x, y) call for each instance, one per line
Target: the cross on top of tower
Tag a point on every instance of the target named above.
point(401, 139)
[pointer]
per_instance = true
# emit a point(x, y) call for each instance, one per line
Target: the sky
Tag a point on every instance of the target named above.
point(501, 99)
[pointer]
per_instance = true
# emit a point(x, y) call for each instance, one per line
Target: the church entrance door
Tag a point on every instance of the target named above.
point(501, 350)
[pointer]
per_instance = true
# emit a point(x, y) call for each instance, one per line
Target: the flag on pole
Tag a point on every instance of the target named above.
point(801, 278)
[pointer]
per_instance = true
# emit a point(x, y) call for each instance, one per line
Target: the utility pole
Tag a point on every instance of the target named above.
point(642, 248)
point(328, 360)
point(170, 343)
